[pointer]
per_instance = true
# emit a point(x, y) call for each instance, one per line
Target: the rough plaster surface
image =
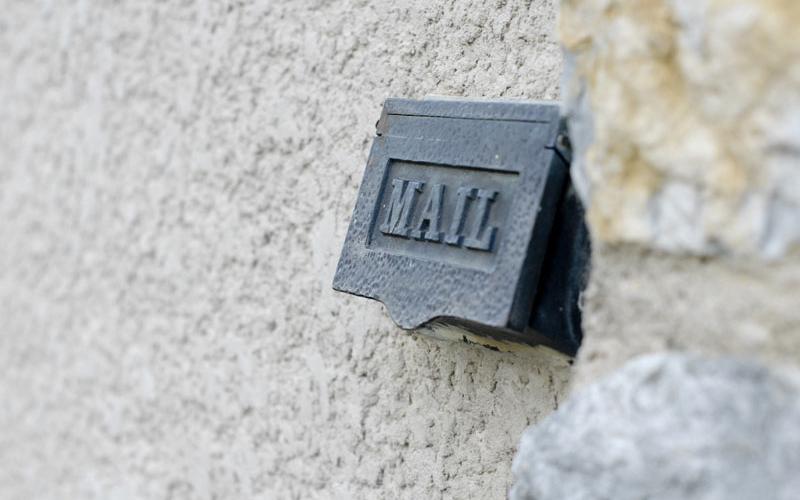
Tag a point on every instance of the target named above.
point(685, 120)
point(669, 426)
point(175, 184)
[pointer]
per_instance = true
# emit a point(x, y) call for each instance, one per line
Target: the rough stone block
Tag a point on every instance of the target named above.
point(684, 116)
point(669, 426)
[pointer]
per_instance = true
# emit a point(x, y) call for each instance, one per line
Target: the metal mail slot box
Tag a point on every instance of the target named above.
point(455, 219)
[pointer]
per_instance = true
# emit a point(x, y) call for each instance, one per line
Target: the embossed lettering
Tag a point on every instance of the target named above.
point(401, 207)
point(465, 195)
point(468, 225)
point(431, 217)
point(482, 237)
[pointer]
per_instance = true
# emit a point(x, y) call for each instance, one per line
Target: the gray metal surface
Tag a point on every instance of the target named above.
point(454, 216)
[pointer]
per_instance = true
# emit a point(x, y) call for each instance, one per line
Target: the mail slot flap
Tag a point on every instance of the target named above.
point(454, 212)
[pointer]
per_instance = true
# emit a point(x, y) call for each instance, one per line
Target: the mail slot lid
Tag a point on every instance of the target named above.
point(454, 212)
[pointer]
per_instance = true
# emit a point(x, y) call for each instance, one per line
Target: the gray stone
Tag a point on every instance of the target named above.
point(669, 426)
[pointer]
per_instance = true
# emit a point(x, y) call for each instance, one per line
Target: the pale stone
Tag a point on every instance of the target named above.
point(686, 121)
point(669, 426)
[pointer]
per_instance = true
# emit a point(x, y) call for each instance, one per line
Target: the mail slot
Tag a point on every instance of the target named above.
point(466, 216)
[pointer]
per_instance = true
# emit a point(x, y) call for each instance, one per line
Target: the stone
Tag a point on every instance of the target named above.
point(669, 426)
point(684, 118)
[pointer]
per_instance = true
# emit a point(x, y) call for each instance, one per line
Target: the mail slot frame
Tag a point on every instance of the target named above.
point(505, 136)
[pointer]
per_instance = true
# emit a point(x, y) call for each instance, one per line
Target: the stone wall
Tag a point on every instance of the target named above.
point(669, 426)
point(685, 116)
point(694, 122)
point(685, 120)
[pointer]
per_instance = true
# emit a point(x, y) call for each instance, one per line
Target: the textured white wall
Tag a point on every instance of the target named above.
point(176, 180)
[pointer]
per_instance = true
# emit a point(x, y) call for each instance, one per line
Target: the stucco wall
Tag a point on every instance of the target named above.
point(176, 180)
